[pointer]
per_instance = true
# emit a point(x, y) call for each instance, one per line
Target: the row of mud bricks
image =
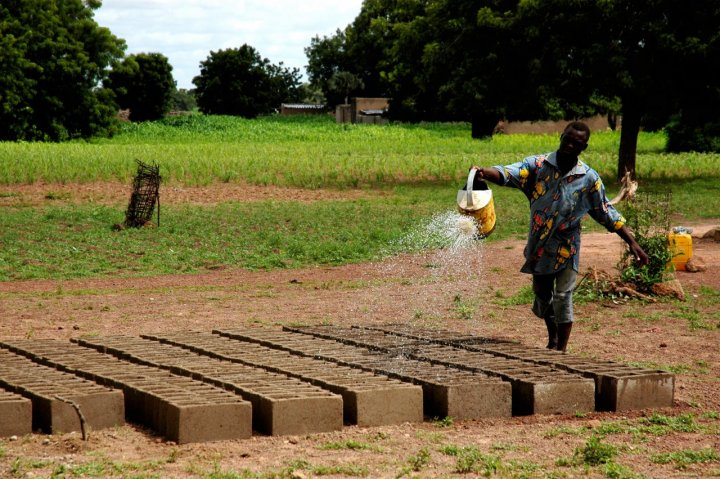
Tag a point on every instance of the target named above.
point(202, 386)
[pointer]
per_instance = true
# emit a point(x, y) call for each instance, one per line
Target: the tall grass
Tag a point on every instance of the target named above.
point(312, 152)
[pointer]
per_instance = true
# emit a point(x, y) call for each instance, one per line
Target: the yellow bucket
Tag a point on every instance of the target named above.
point(478, 203)
point(680, 245)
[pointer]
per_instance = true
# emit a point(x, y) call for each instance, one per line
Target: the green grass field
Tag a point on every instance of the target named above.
point(419, 167)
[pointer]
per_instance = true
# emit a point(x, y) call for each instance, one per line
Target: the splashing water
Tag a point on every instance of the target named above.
point(453, 240)
point(445, 291)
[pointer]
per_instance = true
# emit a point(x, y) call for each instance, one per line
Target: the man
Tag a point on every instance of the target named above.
point(561, 190)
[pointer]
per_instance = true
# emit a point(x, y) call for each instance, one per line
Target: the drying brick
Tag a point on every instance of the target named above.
point(446, 391)
point(368, 399)
point(281, 405)
point(618, 387)
point(15, 414)
point(55, 395)
point(148, 392)
point(536, 389)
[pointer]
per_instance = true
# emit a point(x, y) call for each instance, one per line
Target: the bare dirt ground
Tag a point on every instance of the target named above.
point(410, 289)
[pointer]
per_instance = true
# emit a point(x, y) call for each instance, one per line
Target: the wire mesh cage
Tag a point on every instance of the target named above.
point(144, 197)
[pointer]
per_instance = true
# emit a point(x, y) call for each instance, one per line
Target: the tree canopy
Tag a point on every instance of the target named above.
point(238, 81)
point(144, 84)
point(53, 59)
point(486, 60)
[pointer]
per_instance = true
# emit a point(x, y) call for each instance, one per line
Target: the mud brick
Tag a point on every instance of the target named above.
point(618, 387)
point(536, 389)
point(15, 414)
point(100, 410)
point(446, 391)
point(626, 390)
point(148, 391)
point(186, 423)
point(55, 395)
point(281, 404)
point(368, 399)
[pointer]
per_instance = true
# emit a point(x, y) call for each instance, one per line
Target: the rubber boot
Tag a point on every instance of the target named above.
point(563, 330)
point(552, 329)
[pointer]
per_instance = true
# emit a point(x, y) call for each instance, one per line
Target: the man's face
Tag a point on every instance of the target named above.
point(573, 142)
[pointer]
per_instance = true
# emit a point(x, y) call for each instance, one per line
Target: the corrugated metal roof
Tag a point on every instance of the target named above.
point(303, 106)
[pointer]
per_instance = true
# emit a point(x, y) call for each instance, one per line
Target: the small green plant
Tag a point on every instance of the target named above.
point(450, 450)
point(447, 421)
point(419, 460)
point(680, 423)
point(595, 452)
point(471, 459)
point(462, 308)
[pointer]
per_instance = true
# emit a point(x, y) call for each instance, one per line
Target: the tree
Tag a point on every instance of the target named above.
point(484, 60)
point(240, 82)
point(344, 83)
point(650, 56)
point(144, 84)
point(183, 100)
point(53, 58)
point(326, 57)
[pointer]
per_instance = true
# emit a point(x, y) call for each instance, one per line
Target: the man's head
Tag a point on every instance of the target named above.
point(574, 139)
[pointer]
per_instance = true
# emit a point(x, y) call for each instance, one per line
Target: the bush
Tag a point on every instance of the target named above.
point(649, 218)
point(689, 137)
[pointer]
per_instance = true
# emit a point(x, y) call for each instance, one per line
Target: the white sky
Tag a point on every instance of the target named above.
point(186, 31)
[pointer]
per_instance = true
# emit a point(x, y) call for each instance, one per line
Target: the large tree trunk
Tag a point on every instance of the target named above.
point(628, 139)
point(483, 124)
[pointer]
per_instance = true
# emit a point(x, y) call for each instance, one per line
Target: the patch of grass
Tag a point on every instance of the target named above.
point(680, 423)
point(613, 470)
point(21, 465)
point(655, 425)
point(524, 296)
point(682, 459)
point(711, 415)
point(255, 236)
point(104, 467)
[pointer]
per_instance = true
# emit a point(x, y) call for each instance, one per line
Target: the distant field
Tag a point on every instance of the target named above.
point(312, 152)
point(417, 167)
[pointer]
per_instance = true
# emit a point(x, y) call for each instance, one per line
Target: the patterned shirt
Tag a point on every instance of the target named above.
point(557, 206)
